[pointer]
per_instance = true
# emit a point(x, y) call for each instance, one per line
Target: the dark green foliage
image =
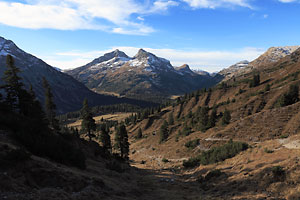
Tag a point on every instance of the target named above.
point(192, 144)
point(203, 118)
point(268, 150)
point(213, 118)
point(291, 97)
point(39, 140)
point(121, 139)
point(226, 117)
point(171, 119)
point(139, 134)
point(13, 84)
point(216, 154)
point(105, 139)
point(50, 107)
point(165, 160)
point(88, 123)
point(255, 81)
point(164, 132)
point(278, 171)
point(186, 130)
point(213, 174)
point(192, 162)
point(25, 118)
point(268, 87)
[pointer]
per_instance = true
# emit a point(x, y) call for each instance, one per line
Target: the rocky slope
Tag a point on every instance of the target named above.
point(272, 55)
point(68, 92)
point(145, 76)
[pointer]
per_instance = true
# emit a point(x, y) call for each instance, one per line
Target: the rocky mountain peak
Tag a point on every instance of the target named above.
point(7, 47)
point(185, 69)
point(142, 54)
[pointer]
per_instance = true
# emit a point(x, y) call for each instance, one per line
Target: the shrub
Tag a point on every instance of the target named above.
point(278, 173)
point(289, 98)
point(266, 150)
point(165, 160)
point(214, 173)
point(216, 154)
point(192, 144)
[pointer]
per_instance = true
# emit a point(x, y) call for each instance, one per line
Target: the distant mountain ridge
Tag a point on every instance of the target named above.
point(144, 76)
point(272, 55)
point(68, 92)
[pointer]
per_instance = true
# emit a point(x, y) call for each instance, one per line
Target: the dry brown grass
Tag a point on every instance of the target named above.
point(114, 117)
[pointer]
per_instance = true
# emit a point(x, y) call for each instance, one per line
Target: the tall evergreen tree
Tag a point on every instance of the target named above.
point(164, 131)
point(139, 134)
point(13, 84)
point(226, 117)
point(212, 118)
point(105, 139)
point(121, 141)
point(203, 118)
point(88, 124)
point(255, 80)
point(171, 119)
point(50, 106)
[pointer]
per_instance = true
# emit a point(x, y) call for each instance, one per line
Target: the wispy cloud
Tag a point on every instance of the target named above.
point(115, 15)
point(212, 4)
point(288, 1)
point(206, 60)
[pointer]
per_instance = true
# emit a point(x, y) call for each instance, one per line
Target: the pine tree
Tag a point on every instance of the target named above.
point(50, 106)
point(171, 119)
point(164, 132)
point(13, 84)
point(255, 80)
point(139, 134)
point(203, 118)
point(212, 118)
point(121, 141)
point(105, 139)
point(88, 123)
point(226, 117)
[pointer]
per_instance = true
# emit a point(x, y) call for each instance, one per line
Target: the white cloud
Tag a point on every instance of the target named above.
point(287, 1)
point(113, 15)
point(205, 60)
point(265, 16)
point(212, 4)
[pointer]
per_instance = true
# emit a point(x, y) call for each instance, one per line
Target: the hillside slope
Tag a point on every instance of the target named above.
point(257, 118)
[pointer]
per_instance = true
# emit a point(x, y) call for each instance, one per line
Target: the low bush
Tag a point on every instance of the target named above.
point(192, 144)
point(216, 154)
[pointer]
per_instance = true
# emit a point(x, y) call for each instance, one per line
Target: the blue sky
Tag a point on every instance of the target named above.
point(206, 34)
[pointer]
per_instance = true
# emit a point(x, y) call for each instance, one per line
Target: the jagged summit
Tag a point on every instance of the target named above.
point(145, 73)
